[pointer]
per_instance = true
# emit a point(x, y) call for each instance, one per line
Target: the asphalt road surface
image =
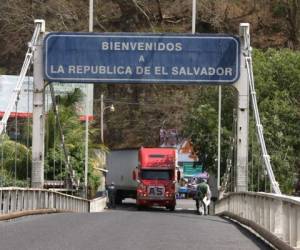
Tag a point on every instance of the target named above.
point(125, 228)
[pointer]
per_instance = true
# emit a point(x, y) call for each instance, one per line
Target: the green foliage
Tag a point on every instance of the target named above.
point(2, 71)
point(55, 167)
point(74, 134)
point(277, 78)
point(14, 156)
point(202, 128)
point(8, 180)
point(279, 9)
point(277, 75)
point(202, 125)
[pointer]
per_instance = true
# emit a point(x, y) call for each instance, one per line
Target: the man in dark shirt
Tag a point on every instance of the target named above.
point(201, 192)
point(111, 191)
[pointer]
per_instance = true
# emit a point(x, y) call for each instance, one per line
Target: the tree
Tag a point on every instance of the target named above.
point(202, 125)
point(74, 134)
point(277, 77)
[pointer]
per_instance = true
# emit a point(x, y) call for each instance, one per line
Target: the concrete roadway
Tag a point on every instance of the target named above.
point(126, 229)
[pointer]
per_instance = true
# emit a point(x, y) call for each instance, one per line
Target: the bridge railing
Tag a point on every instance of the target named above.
point(277, 217)
point(14, 200)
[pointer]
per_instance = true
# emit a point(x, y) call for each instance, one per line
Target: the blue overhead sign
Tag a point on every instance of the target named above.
point(141, 58)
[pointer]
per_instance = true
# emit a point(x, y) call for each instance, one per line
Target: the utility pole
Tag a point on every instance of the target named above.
point(219, 137)
point(194, 17)
point(86, 154)
point(101, 117)
point(86, 157)
point(91, 15)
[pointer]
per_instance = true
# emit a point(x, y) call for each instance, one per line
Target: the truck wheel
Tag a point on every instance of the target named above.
point(139, 207)
point(171, 208)
point(118, 200)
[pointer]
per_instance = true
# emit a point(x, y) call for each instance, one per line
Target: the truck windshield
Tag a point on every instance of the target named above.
point(156, 174)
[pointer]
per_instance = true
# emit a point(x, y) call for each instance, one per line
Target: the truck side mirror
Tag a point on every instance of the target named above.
point(178, 175)
point(134, 175)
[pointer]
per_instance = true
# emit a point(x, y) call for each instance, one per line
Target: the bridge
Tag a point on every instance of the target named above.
point(238, 220)
point(244, 220)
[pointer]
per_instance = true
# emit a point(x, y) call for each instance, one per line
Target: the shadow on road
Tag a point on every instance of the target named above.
point(189, 214)
point(183, 213)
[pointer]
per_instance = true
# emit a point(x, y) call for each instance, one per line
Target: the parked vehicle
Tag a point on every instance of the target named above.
point(156, 177)
point(120, 164)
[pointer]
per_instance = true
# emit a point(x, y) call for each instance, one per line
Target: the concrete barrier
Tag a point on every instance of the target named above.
point(22, 201)
point(98, 204)
point(276, 217)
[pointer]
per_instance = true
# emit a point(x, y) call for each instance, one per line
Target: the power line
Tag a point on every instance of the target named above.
point(139, 104)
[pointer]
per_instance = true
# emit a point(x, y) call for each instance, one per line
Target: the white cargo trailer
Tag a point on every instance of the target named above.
point(120, 165)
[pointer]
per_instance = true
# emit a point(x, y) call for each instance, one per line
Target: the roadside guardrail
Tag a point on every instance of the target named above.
point(16, 202)
point(275, 217)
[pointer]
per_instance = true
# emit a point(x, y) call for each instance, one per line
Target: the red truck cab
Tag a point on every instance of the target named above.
point(156, 177)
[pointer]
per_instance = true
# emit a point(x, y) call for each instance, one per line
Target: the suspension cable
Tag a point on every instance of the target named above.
point(229, 166)
point(54, 147)
point(66, 158)
point(61, 156)
point(265, 175)
point(252, 168)
point(259, 127)
point(258, 178)
point(2, 159)
point(28, 131)
point(54, 144)
point(16, 141)
point(47, 128)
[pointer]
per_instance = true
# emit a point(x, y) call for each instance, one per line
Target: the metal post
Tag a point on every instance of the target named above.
point(101, 117)
point(86, 157)
point(86, 161)
point(38, 119)
point(2, 159)
point(91, 15)
point(242, 87)
point(219, 136)
point(194, 17)
point(16, 140)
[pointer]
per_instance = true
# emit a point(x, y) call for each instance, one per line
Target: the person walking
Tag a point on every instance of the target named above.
point(201, 193)
point(111, 191)
point(207, 198)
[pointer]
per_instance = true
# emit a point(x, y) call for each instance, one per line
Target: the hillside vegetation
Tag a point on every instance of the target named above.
point(274, 23)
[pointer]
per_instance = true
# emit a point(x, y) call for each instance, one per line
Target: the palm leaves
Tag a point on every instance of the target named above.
point(73, 130)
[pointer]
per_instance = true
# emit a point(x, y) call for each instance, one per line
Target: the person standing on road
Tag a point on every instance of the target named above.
point(111, 191)
point(201, 192)
point(207, 198)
